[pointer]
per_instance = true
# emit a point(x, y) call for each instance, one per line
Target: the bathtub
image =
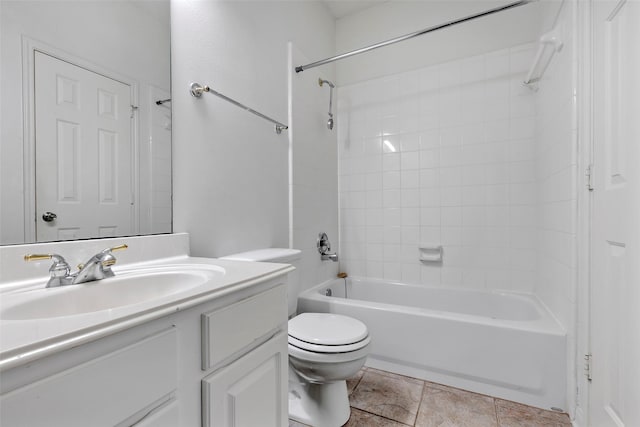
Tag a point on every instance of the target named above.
point(501, 344)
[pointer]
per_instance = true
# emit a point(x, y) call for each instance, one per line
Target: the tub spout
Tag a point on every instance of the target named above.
point(332, 257)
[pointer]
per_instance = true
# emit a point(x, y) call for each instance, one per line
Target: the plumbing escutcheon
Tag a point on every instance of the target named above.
point(323, 244)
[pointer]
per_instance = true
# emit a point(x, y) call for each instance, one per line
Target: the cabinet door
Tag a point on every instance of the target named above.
point(167, 416)
point(252, 391)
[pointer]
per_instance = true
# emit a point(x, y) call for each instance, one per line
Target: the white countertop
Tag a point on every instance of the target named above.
point(22, 341)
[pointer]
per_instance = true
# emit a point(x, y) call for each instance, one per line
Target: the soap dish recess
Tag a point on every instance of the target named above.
point(430, 253)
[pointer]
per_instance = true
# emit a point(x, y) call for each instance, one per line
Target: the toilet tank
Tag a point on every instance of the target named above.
point(280, 255)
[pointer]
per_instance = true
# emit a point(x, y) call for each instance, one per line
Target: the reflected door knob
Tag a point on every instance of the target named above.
point(49, 216)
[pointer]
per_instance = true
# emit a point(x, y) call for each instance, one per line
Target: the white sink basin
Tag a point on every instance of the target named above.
point(127, 288)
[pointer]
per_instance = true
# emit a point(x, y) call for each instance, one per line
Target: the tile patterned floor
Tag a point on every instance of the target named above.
point(383, 399)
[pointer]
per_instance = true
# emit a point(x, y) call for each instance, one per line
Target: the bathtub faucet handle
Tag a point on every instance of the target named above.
point(324, 246)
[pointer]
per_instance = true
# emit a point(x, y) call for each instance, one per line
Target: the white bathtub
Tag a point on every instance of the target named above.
point(500, 344)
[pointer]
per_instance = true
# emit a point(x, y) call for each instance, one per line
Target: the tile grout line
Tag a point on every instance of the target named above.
point(421, 400)
point(495, 409)
point(383, 417)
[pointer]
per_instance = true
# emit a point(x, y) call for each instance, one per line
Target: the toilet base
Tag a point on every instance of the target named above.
point(319, 405)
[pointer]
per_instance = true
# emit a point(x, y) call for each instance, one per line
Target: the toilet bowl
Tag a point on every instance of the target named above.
point(324, 350)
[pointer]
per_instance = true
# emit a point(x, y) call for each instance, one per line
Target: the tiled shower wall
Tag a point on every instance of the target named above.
point(558, 191)
point(442, 155)
point(556, 169)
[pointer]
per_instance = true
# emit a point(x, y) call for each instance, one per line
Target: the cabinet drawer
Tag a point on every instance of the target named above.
point(236, 329)
point(101, 392)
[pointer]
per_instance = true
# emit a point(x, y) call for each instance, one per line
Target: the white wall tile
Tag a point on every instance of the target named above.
point(410, 179)
point(461, 168)
point(409, 160)
point(391, 180)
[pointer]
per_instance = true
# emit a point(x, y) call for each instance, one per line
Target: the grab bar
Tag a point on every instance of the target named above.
point(197, 89)
point(550, 38)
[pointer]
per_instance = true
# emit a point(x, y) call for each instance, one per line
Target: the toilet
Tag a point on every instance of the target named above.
point(324, 350)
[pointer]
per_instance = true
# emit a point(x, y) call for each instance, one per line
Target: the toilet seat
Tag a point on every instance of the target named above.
point(327, 333)
point(319, 348)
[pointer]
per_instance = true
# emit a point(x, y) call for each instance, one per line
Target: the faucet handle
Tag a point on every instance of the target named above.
point(38, 257)
point(59, 268)
point(116, 248)
point(106, 259)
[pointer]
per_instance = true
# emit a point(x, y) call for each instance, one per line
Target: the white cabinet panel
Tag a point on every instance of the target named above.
point(167, 416)
point(230, 330)
point(250, 392)
point(102, 392)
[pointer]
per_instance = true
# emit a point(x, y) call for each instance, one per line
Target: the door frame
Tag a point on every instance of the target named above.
point(584, 106)
point(29, 47)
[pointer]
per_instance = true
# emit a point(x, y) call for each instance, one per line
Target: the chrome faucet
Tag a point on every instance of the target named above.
point(97, 268)
point(324, 246)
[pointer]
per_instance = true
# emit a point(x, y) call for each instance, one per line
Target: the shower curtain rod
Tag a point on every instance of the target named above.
point(412, 35)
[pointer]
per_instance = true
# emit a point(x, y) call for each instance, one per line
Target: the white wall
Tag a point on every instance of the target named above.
point(231, 179)
point(556, 171)
point(112, 42)
point(442, 155)
point(314, 170)
point(395, 18)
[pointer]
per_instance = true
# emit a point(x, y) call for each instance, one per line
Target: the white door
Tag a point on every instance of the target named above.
point(83, 153)
point(615, 281)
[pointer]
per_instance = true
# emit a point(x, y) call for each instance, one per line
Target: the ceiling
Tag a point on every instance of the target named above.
point(340, 8)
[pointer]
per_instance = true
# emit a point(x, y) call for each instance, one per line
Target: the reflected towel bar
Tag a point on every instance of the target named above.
point(412, 35)
point(197, 89)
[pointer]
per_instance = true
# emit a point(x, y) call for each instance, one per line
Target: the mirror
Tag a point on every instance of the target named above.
point(85, 119)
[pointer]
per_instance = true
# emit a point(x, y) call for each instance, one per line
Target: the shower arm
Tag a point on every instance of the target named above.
point(331, 86)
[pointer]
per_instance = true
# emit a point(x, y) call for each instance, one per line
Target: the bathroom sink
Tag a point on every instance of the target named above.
point(126, 288)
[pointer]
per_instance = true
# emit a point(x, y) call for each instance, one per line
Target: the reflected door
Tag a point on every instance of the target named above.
point(84, 154)
point(615, 282)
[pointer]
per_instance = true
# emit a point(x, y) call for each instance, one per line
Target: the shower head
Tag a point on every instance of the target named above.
point(330, 123)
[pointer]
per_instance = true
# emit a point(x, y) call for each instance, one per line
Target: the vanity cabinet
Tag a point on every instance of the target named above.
point(247, 393)
point(106, 390)
point(220, 363)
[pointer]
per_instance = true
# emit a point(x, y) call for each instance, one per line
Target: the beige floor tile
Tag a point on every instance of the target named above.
point(511, 414)
point(296, 424)
point(354, 380)
point(364, 419)
point(388, 395)
point(396, 376)
point(442, 406)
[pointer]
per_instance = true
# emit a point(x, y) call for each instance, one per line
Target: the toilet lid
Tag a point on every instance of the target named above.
point(327, 329)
